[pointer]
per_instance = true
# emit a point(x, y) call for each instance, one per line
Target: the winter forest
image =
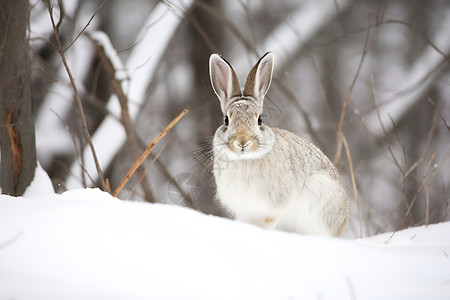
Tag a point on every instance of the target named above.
point(368, 82)
point(365, 81)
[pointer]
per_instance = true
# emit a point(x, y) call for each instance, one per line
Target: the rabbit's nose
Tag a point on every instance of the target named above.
point(242, 144)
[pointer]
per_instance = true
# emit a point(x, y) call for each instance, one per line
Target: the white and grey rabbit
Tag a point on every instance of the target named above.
point(266, 176)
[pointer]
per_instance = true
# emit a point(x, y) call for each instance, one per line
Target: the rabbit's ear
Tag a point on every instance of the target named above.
point(223, 80)
point(259, 78)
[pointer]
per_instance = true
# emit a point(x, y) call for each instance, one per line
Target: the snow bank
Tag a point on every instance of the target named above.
point(84, 244)
point(41, 184)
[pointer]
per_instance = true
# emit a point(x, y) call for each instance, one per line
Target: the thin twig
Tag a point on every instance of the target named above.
point(439, 113)
point(147, 152)
point(169, 176)
point(85, 27)
point(419, 189)
point(62, 14)
point(75, 145)
point(425, 153)
point(206, 38)
point(386, 135)
point(352, 175)
point(367, 47)
point(380, 23)
point(217, 13)
point(294, 99)
point(422, 35)
point(413, 167)
point(388, 145)
point(394, 127)
point(77, 96)
point(142, 176)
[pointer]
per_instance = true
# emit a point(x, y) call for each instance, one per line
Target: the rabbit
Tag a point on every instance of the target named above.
point(267, 176)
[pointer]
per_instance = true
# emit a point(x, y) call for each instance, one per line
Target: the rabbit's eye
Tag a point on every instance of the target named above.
point(226, 121)
point(259, 120)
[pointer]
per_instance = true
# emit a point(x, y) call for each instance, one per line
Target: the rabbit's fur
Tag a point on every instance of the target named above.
point(266, 176)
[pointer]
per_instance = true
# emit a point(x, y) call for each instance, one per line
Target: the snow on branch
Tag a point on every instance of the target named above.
point(140, 66)
point(120, 72)
point(413, 85)
point(289, 37)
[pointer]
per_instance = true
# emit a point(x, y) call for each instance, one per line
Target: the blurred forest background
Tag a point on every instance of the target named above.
point(367, 81)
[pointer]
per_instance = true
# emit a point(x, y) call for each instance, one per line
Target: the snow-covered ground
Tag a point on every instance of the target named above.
point(85, 244)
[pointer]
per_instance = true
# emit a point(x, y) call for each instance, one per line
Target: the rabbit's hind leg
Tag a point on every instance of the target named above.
point(267, 222)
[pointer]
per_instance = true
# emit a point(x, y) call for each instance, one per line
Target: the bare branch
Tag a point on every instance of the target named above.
point(151, 44)
point(147, 152)
point(123, 101)
point(439, 113)
point(86, 26)
point(61, 14)
point(75, 144)
point(422, 184)
point(77, 97)
point(387, 22)
point(142, 176)
point(368, 46)
point(386, 135)
point(213, 11)
point(352, 176)
point(293, 98)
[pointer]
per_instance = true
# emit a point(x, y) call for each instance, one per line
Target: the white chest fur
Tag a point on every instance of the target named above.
point(240, 190)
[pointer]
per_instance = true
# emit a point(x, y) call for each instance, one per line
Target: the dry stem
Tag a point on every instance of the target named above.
point(147, 152)
point(352, 175)
point(142, 175)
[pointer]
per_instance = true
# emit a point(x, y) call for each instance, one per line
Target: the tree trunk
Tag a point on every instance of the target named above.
point(18, 150)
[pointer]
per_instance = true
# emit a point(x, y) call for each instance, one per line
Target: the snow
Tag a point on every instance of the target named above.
point(102, 38)
point(85, 244)
point(41, 184)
